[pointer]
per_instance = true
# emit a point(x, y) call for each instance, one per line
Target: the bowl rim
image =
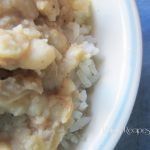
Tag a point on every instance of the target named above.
point(127, 101)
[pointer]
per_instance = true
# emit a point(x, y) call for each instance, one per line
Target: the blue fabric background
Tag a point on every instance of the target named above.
point(140, 117)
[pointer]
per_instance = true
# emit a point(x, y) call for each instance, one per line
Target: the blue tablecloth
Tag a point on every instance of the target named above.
point(140, 118)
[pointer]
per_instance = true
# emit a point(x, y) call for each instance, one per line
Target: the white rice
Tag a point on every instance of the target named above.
point(87, 75)
point(79, 124)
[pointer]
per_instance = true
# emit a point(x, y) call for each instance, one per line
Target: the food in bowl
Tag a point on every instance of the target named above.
point(46, 65)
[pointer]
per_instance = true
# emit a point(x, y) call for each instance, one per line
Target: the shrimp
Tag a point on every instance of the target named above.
point(24, 48)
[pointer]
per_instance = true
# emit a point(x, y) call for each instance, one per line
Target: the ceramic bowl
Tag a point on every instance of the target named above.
point(118, 33)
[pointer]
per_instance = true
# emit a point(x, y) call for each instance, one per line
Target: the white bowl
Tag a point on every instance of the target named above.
point(118, 32)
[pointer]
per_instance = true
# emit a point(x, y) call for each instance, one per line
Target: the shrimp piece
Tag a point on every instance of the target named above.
point(40, 56)
point(24, 48)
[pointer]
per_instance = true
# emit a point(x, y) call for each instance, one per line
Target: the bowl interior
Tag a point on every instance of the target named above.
point(119, 62)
